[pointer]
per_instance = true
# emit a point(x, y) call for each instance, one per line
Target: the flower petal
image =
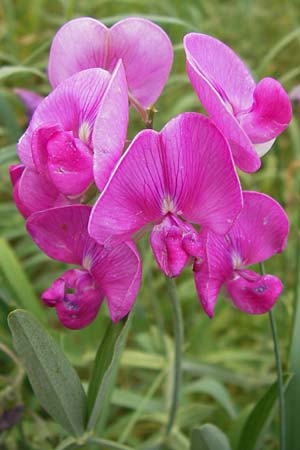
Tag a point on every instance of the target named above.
point(177, 172)
point(270, 114)
point(35, 193)
point(118, 272)
point(61, 232)
point(195, 158)
point(261, 229)
point(147, 55)
point(110, 127)
point(166, 242)
point(79, 44)
point(73, 105)
point(211, 272)
point(254, 294)
point(220, 93)
point(222, 68)
point(132, 197)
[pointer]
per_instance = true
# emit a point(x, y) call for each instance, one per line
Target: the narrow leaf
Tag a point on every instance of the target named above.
point(209, 437)
point(105, 366)
point(260, 417)
point(53, 379)
point(18, 281)
point(8, 71)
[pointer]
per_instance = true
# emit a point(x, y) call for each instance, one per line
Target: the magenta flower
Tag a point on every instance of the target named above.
point(75, 138)
point(249, 115)
point(145, 50)
point(165, 179)
point(78, 294)
point(260, 231)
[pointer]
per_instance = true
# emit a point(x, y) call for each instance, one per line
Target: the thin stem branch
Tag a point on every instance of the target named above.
point(279, 374)
point(178, 332)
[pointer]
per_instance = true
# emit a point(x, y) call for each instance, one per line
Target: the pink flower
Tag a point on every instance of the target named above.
point(259, 232)
point(75, 138)
point(104, 272)
point(145, 50)
point(249, 115)
point(183, 174)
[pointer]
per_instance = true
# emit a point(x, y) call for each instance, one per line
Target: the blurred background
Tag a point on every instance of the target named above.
point(228, 361)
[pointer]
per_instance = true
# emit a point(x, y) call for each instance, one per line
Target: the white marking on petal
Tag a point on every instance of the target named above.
point(236, 260)
point(168, 205)
point(264, 147)
point(84, 132)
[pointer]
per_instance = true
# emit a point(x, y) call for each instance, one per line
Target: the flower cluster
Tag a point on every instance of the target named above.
point(180, 183)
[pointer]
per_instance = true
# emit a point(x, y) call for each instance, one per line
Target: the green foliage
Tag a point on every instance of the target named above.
point(209, 437)
point(53, 379)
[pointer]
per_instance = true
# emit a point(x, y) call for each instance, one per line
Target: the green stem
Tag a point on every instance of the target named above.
point(109, 444)
point(178, 331)
point(279, 374)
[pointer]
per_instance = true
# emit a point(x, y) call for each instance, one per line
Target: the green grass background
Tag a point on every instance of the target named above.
point(228, 361)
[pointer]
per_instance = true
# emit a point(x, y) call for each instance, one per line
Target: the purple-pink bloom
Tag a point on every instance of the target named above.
point(75, 138)
point(259, 232)
point(30, 99)
point(145, 49)
point(183, 174)
point(249, 115)
point(114, 273)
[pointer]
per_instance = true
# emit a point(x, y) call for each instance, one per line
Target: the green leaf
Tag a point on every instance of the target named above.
point(260, 417)
point(53, 379)
point(105, 366)
point(18, 281)
point(209, 437)
point(8, 71)
point(216, 390)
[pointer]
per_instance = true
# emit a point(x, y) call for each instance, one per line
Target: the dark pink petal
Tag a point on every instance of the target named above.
point(132, 198)
point(222, 68)
point(73, 106)
point(66, 161)
point(270, 113)
point(79, 44)
point(213, 270)
point(195, 157)
point(61, 232)
point(166, 242)
point(243, 151)
point(30, 99)
point(253, 293)
point(110, 127)
point(76, 298)
point(15, 173)
point(147, 55)
point(177, 171)
point(35, 193)
point(260, 231)
point(118, 272)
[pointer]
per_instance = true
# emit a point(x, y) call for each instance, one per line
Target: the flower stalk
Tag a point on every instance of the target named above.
point(178, 332)
point(279, 374)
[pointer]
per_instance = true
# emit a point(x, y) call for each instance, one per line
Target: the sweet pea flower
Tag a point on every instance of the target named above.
point(259, 232)
point(75, 138)
point(249, 115)
point(165, 180)
point(145, 49)
point(103, 272)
